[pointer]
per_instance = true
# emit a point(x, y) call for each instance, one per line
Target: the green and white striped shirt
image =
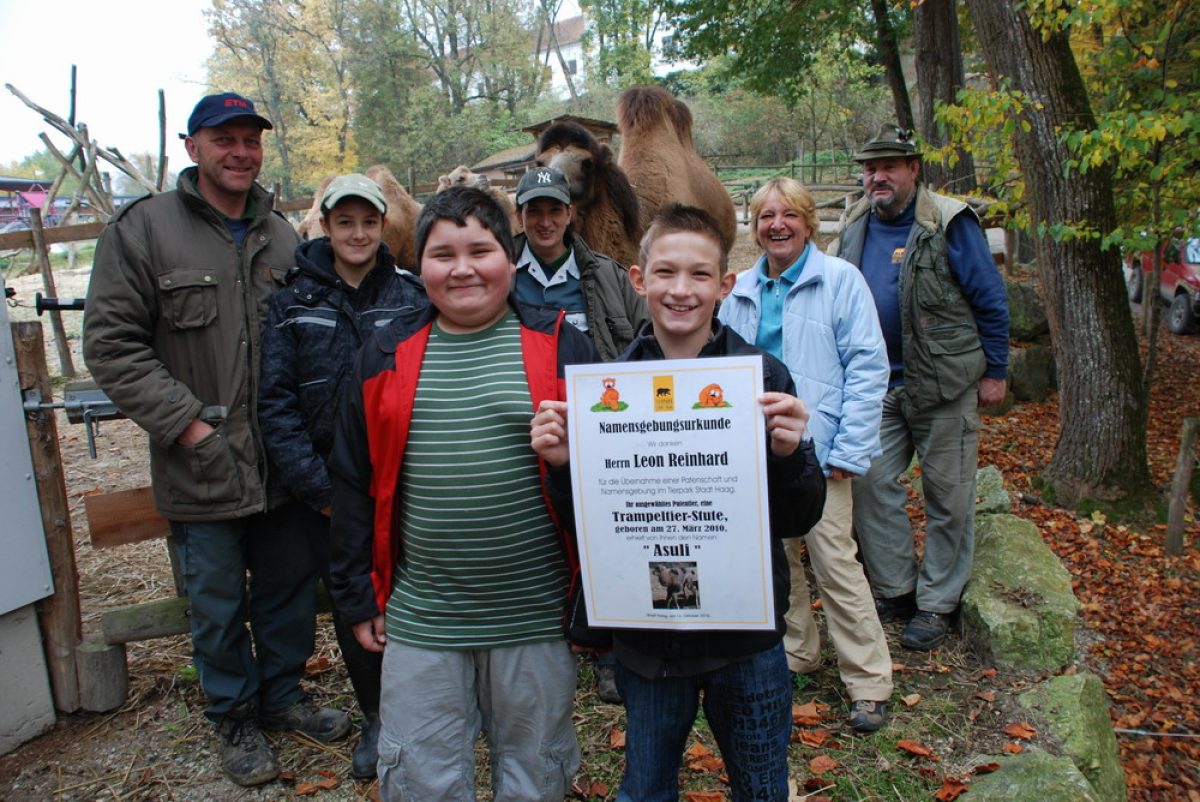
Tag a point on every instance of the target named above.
point(482, 564)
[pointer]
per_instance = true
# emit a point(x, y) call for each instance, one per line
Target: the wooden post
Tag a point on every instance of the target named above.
point(57, 614)
point(60, 334)
point(1179, 487)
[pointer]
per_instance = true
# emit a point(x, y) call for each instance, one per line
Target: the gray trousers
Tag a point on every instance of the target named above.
point(946, 441)
point(436, 702)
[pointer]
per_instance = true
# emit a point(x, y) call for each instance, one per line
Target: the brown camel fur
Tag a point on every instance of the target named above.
point(399, 224)
point(461, 176)
point(606, 209)
point(661, 162)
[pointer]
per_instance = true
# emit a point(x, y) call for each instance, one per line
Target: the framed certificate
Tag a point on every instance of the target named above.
point(668, 470)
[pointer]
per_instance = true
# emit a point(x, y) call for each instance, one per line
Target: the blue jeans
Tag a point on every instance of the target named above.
point(748, 705)
point(281, 607)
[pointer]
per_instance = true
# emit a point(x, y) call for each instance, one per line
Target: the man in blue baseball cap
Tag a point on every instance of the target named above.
point(172, 333)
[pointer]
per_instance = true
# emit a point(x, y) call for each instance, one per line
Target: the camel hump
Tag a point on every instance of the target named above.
point(641, 107)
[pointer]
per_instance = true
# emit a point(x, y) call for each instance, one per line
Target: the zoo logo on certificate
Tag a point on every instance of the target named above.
point(668, 470)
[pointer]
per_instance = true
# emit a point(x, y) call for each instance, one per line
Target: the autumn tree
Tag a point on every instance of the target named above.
point(1101, 450)
point(623, 35)
point(939, 61)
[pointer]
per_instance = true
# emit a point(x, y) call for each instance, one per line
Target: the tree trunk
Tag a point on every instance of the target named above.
point(889, 54)
point(1101, 449)
point(939, 77)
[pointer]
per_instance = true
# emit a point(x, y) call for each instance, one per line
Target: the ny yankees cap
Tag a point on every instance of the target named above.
point(543, 182)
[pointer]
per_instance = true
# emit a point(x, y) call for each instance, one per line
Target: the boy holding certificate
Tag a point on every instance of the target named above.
point(744, 677)
point(446, 554)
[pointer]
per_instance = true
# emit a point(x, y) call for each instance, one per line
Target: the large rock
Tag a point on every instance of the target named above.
point(1026, 312)
point(990, 496)
point(1018, 608)
point(1076, 710)
point(1034, 776)
point(1032, 372)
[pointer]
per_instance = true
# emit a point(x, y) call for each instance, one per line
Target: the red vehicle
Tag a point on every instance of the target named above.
point(1180, 286)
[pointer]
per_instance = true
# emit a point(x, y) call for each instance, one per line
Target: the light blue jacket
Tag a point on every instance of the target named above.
point(834, 349)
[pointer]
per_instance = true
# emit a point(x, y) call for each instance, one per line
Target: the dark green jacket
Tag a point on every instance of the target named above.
point(615, 313)
point(943, 357)
point(172, 332)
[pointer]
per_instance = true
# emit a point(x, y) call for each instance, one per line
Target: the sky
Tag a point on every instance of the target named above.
point(124, 51)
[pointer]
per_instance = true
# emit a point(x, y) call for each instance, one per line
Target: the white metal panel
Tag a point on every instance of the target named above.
point(24, 566)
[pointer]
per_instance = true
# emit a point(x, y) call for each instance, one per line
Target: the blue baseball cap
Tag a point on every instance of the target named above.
point(214, 110)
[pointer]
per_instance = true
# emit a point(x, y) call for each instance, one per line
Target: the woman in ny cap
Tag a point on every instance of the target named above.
point(556, 268)
point(344, 286)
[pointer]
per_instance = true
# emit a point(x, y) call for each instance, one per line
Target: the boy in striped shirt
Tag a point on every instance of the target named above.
point(446, 550)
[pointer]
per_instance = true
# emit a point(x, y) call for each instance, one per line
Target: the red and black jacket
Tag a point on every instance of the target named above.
point(372, 431)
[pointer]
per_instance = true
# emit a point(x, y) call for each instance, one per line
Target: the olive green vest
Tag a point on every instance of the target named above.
point(943, 357)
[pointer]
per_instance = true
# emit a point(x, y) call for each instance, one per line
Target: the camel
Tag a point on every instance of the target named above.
point(399, 225)
point(461, 176)
point(661, 162)
point(606, 208)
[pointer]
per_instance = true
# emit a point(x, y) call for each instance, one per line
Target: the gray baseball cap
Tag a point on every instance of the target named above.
point(353, 185)
point(543, 182)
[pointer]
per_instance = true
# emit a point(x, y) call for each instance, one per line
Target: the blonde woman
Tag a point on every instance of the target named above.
point(815, 313)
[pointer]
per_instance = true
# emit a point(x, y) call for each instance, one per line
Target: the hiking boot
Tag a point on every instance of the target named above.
point(925, 631)
point(606, 685)
point(321, 723)
point(366, 751)
point(868, 716)
point(897, 608)
point(246, 757)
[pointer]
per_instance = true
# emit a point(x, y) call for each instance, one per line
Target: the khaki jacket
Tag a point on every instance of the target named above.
point(172, 332)
point(943, 355)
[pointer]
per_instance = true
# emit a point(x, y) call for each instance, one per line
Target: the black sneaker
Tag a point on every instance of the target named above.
point(925, 631)
point(606, 685)
point(246, 757)
point(868, 716)
point(897, 608)
point(366, 751)
point(321, 723)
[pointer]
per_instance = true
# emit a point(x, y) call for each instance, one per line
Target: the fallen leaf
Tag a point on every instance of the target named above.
point(709, 763)
point(809, 714)
point(987, 768)
point(616, 739)
point(598, 789)
point(911, 700)
point(704, 796)
point(897, 667)
point(952, 788)
point(817, 604)
point(988, 672)
point(814, 738)
point(987, 696)
point(698, 750)
point(1020, 730)
point(1013, 748)
point(815, 784)
point(913, 747)
point(821, 764)
point(317, 665)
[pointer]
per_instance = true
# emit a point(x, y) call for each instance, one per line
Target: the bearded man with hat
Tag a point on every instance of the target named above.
point(944, 314)
point(173, 333)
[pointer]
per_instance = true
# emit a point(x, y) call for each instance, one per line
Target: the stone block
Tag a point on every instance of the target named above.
point(1075, 708)
point(990, 495)
point(1018, 607)
point(1032, 372)
point(1026, 312)
point(1034, 775)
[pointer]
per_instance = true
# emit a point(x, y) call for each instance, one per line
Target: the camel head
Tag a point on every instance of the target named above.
point(572, 150)
point(461, 176)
